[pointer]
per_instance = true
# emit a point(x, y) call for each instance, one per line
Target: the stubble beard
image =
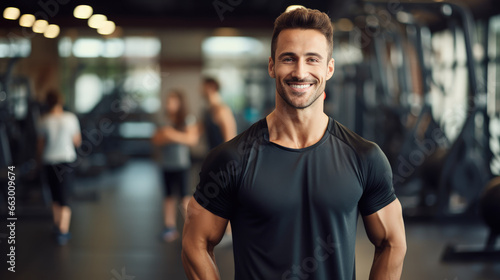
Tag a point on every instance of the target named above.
point(281, 91)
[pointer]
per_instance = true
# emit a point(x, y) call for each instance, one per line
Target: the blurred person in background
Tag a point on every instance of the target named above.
point(219, 123)
point(59, 136)
point(176, 132)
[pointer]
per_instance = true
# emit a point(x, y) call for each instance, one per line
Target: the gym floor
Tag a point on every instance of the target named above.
point(116, 236)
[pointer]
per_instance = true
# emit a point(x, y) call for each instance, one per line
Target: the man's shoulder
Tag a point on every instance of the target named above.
point(361, 146)
point(239, 146)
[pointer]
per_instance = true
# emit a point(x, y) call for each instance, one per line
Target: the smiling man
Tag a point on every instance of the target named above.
point(294, 183)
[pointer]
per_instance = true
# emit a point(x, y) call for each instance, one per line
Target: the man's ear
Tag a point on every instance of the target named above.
point(270, 68)
point(331, 69)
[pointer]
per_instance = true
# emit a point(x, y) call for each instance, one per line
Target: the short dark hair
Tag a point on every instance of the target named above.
point(212, 82)
point(52, 98)
point(303, 18)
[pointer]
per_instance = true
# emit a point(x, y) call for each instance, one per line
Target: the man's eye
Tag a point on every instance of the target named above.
point(313, 60)
point(287, 59)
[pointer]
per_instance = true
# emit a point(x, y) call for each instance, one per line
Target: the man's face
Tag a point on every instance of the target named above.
point(301, 66)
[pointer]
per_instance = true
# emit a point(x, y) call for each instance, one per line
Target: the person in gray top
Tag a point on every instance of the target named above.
point(176, 132)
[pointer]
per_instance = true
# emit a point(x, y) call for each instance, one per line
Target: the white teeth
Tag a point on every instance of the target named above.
point(300, 86)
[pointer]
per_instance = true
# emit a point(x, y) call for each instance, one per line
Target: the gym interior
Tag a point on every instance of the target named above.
point(419, 78)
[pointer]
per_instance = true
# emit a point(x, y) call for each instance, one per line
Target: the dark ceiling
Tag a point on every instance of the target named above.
point(195, 13)
point(165, 13)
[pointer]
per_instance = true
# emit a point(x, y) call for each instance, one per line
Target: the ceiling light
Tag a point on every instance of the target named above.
point(27, 20)
point(52, 31)
point(82, 11)
point(97, 20)
point(40, 26)
point(11, 13)
point(107, 28)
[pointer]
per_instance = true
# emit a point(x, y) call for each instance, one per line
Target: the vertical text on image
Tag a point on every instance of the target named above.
point(11, 218)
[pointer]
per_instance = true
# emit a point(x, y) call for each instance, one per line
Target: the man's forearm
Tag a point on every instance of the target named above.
point(199, 264)
point(388, 263)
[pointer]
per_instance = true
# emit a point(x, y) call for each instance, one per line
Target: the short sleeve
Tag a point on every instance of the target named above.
point(76, 125)
point(218, 182)
point(378, 190)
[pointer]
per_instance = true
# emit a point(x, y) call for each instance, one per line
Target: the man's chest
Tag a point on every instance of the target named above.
point(278, 182)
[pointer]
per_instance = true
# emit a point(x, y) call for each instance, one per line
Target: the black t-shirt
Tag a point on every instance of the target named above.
point(294, 212)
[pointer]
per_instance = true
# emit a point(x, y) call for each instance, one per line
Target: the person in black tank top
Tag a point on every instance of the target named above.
point(213, 131)
point(219, 122)
point(295, 182)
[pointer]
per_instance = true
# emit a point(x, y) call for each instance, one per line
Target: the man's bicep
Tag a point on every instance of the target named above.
point(386, 227)
point(378, 189)
point(203, 225)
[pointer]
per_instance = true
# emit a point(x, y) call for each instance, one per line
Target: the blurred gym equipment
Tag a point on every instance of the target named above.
point(19, 114)
point(490, 211)
point(443, 177)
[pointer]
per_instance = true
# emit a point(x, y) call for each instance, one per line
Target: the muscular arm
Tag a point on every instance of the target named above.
point(386, 231)
point(202, 231)
point(226, 122)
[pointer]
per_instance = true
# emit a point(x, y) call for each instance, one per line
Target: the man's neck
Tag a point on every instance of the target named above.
point(297, 128)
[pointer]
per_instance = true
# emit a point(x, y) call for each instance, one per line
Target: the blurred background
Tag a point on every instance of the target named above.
point(419, 78)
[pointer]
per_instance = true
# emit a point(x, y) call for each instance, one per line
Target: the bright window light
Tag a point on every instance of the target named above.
point(21, 47)
point(27, 20)
point(4, 48)
point(137, 129)
point(86, 47)
point(65, 45)
point(142, 47)
point(151, 104)
point(83, 11)
point(113, 48)
point(11, 13)
point(145, 80)
point(15, 47)
point(88, 92)
point(231, 46)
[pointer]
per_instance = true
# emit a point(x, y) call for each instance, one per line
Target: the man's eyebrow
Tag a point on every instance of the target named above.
point(286, 54)
point(314, 54)
point(294, 54)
